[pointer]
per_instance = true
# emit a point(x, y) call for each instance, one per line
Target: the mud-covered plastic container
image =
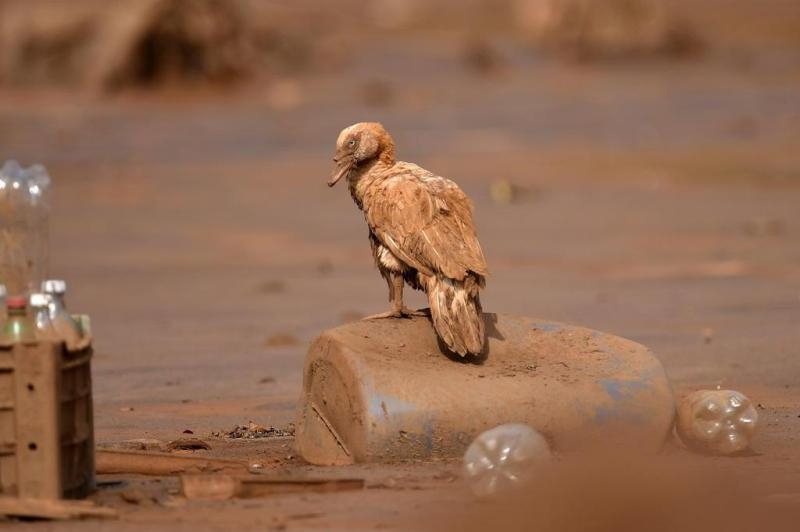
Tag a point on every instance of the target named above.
point(46, 420)
point(383, 390)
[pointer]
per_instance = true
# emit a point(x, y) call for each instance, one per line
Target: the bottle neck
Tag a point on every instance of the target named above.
point(56, 301)
point(16, 311)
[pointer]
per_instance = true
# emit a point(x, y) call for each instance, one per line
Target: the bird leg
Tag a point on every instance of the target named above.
point(395, 282)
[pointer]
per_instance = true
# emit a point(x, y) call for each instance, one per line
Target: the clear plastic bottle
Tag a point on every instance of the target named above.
point(40, 310)
point(24, 227)
point(19, 326)
point(3, 313)
point(67, 328)
point(504, 458)
point(717, 421)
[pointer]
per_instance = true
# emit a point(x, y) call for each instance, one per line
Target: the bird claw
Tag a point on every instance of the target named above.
point(403, 312)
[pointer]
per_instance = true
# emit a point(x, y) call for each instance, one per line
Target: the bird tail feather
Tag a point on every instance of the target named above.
point(456, 313)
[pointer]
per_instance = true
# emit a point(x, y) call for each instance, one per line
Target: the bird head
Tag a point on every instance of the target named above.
point(359, 144)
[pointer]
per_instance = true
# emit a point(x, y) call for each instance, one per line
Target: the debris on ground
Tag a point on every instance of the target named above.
point(221, 487)
point(125, 43)
point(137, 496)
point(188, 444)
point(587, 30)
point(138, 444)
point(254, 430)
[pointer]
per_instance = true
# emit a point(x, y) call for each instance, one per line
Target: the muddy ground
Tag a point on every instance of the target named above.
point(656, 200)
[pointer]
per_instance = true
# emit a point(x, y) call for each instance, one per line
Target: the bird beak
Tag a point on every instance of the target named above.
point(342, 168)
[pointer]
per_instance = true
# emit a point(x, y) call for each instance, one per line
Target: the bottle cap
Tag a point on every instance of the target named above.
point(16, 302)
point(54, 286)
point(40, 300)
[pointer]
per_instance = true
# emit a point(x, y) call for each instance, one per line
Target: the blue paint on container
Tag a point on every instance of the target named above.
point(624, 406)
point(548, 327)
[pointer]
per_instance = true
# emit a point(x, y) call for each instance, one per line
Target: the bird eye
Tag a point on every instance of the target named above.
point(352, 143)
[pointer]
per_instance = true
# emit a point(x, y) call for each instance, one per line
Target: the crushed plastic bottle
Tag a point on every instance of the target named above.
point(24, 227)
point(504, 458)
point(65, 326)
point(717, 421)
point(19, 327)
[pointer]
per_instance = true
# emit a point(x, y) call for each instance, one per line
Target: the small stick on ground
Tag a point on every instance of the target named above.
point(125, 462)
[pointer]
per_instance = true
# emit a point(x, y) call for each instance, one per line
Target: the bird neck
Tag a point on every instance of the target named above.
point(386, 155)
point(364, 176)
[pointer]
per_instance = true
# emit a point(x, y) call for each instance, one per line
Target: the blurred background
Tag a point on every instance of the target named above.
point(634, 166)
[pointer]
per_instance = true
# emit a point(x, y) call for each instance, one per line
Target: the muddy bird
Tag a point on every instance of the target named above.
point(421, 233)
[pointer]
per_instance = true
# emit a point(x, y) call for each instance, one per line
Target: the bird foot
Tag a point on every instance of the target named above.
point(403, 312)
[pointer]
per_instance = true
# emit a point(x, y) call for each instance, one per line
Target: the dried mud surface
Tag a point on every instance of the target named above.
point(656, 202)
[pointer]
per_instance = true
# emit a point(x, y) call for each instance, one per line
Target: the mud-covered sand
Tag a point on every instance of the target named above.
point(655, 201)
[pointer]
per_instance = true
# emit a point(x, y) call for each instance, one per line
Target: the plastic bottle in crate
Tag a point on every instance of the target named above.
point(67, 328)
point(43, 327)
point(3, 314)
point(24, 227)
point(19, 327)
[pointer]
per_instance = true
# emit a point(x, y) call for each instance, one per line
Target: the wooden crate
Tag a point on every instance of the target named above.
point(46, 421)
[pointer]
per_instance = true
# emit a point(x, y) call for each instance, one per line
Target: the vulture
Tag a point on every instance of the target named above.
point(421, 232)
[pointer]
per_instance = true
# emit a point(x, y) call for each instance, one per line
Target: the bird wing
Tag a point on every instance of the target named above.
point(426, 221)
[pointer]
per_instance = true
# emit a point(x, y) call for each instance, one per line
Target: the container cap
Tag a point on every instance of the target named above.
point(16, 302)
point(40, 300)
point(54, 286)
